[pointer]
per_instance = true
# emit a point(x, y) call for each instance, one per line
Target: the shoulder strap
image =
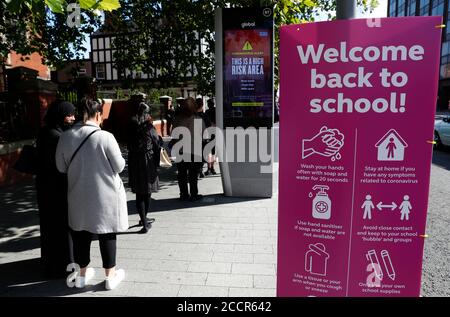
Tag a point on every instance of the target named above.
point(79, 147)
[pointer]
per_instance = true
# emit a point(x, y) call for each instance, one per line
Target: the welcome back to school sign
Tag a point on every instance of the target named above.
point(358, 99)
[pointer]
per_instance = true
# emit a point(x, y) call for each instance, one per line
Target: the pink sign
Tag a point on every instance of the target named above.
point(357, 109)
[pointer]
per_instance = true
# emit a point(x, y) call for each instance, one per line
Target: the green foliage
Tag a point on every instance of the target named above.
point(153, 94)
point(166, 32)
point(29, 26)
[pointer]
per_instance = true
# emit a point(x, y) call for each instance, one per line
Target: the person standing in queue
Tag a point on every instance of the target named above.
point(211, 114)
point(97, 200)
point(51, 189)
point(143, 160)
point(188, 167)
point(202, 115)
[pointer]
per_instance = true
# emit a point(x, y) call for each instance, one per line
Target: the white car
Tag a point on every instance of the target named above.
point(442, 132)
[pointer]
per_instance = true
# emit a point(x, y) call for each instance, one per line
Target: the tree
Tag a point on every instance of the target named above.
point(164, 35)
point(28, 26)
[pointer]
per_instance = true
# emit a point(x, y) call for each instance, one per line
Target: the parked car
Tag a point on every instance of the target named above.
point(442, 132)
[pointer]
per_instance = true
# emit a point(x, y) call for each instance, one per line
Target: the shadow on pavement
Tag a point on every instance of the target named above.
point(442, 158)
point(169, 204)
point(21, 244)
point(30, 282)
point(18, 210)
point(208, 200)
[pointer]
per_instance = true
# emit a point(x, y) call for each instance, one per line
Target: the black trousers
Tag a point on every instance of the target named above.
point(82, 248)
point(188, 172)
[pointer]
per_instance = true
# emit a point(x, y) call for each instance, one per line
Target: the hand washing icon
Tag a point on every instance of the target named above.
point(328, 143)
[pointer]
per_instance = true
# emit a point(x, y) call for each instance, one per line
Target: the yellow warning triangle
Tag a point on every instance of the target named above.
point(247, 46)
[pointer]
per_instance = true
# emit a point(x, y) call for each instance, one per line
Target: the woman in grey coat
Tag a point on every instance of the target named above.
point(96, 195)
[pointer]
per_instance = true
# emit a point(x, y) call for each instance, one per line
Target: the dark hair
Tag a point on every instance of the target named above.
point(143, 112)
point(210, 103)
point(90, 107)
point(57, 111)
point(188, 107)
point(199, 103)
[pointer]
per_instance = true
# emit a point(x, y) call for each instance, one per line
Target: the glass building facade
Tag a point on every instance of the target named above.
point(400, 8)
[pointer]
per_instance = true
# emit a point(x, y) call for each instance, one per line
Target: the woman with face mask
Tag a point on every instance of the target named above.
point(51, 188)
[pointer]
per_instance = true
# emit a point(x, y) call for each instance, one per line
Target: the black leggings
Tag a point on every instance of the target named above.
point(82, 248)
point(143, 203)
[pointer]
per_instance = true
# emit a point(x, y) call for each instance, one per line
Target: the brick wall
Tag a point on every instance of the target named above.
point(35, 62)
point(9, 154)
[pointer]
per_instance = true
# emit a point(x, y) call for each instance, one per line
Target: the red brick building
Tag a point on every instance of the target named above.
point(34, 61)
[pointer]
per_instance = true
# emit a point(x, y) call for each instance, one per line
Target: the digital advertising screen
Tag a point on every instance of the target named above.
point(248, 70)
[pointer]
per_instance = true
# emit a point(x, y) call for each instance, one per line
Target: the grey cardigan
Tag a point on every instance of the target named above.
point(96, 195)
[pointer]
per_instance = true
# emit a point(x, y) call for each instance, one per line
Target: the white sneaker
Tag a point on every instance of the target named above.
point(80, 281)
point(112, 282)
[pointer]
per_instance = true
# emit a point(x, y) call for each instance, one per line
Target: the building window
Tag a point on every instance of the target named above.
point(392, 8)
point(100, 43)
point(94, 43)
point(108, 72)
point(100, 71)
point(445, 48)
point(445, 71)
point(401, 8)
point(107, 44)
point(438, 7)
point(447, 29)
point(424, 7)
point(412, 7)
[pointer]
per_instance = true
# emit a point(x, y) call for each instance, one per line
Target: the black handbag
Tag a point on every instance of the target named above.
point(28, 160)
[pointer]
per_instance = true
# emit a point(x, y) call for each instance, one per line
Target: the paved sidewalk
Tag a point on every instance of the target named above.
point(217, 247)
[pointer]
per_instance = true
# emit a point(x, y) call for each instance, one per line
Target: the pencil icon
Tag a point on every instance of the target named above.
point(372, 257)
point(388, 264)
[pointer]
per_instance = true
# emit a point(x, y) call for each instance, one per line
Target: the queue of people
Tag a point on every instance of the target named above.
point(80, 192)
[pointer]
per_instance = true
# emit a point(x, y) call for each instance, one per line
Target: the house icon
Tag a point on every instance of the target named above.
point(391, 147)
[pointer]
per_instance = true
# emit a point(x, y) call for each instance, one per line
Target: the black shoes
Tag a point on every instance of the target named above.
point(191, 198)
point(210, 172)
point(196, 198)
point(184, 197)
point(201, 175)
point(143, 230)
point(148, 225)
point(149, 222)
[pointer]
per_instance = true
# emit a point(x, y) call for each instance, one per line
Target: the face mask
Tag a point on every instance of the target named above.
point(67, 125)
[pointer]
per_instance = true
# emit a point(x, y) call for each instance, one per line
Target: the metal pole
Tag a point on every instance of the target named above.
point(345, 9)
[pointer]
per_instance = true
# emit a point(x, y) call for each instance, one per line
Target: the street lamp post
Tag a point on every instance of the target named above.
point(345, 9)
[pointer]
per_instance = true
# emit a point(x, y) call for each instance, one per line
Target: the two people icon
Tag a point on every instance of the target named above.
point(405, 207)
